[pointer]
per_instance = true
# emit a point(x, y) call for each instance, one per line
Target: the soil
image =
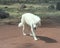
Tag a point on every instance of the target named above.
point(11, 37)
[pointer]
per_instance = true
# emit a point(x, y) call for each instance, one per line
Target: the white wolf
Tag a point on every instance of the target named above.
point(32, 20)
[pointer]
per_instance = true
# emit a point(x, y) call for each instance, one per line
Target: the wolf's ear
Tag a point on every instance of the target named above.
point(39, 24)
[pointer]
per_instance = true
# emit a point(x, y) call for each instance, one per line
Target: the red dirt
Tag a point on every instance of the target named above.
point(11, 37)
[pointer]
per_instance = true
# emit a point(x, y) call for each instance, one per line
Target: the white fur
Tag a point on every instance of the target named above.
point(32, 20)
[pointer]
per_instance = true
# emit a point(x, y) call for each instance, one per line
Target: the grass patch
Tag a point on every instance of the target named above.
point(38, 9)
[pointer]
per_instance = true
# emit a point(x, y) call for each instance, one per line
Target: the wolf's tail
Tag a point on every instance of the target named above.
point(20, 24)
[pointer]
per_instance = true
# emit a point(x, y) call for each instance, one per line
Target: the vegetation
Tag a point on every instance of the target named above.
point(28, 1)
point(58, 6)
point(15, 8)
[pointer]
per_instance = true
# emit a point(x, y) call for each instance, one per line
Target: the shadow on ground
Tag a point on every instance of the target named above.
point(47, 39)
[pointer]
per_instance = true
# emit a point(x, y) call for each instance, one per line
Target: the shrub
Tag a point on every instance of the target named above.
point(51, 7)
point(58, 6)
point(3, 14)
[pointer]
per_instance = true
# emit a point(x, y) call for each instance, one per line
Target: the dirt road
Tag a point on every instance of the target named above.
point(11, 37)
